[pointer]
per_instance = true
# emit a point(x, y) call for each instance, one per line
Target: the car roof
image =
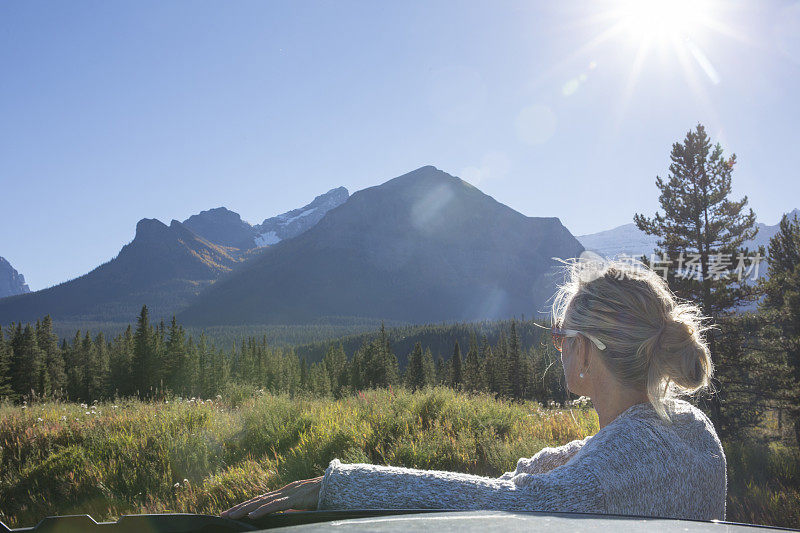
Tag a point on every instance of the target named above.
point(488, 521)
point(385, 520)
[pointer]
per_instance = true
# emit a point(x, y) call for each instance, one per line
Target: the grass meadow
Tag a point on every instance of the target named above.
point(202, 456)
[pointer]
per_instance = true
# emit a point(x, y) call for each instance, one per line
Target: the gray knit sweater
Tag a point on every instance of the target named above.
point(636, 465)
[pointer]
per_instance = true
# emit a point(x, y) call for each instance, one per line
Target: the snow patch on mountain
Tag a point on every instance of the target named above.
point(293, 223)
point(268, 238)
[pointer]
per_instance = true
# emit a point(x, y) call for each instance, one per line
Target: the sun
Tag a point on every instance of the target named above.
point(662, 20)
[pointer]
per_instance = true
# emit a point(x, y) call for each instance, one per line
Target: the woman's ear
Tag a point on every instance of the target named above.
point(585, 353)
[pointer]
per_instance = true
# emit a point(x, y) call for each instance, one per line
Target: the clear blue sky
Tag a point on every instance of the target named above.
point(115, 111)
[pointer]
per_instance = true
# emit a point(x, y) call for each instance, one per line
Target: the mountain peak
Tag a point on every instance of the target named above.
point(149, 226)
point(11, 281)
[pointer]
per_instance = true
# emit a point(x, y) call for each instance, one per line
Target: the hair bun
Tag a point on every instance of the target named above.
point(681, 355)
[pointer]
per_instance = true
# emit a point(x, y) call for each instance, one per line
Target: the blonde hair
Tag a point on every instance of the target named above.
point(654, 341)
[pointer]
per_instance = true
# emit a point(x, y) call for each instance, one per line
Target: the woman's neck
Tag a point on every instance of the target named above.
point(610, 406)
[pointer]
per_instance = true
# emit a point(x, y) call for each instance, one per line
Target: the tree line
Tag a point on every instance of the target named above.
point(157, 360)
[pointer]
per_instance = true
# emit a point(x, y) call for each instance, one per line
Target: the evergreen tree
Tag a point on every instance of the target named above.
point(120, 361)
point(428, 369)
point(97, 367)
point(27, 362)
point(319, 382)
point(780, 315)
point(177, 359)
point(490, 366)
point(701, 222)
point(54, 376)
point(6, 390)
point(335, 361)
point(474, 378)
point(457, 374)
point(75, 368)
point(515, 366)
point(304, 384)
point(415, 374)
point(145, 352)
point(441, 373)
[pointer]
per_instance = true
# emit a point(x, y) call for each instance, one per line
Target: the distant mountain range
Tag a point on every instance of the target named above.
point(164, 267)
point(11, 281)
point(630, 240)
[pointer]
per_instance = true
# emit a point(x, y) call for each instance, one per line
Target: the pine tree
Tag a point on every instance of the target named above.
point(428, 369)
point(474, 378)
point(304, 374)
point(120, 361)
point(780, 314)
point(457, 373)
point(335, 361)
point(700, 220)
point(490, 365)
point(6, 390)
point(54, 376)
point(177, 359)
point(515, 365)
point(97, 367)
point(144, 362)
point(441, 372)
point(27, 363)
point(415, 376)
point(75, 363)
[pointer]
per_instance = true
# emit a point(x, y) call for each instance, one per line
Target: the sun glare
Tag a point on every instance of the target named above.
point(662, 19)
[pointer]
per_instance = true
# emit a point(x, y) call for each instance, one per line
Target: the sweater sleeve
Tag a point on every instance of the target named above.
point(547, 459)
point(365, 486)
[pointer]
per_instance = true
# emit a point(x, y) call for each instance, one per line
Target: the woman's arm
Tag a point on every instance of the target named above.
point(547, 459)
point(365, 486)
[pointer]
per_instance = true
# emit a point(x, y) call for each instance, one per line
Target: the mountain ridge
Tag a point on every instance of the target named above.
point(11, 281)
point(392, 246)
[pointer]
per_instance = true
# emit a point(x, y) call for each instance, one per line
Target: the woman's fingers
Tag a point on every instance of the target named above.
point(238, 511)
point(281, 504)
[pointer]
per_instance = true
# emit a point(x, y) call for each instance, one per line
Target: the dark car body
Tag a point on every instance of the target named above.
point(393, 520)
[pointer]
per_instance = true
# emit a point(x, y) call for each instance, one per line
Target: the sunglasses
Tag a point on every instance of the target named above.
point(560, 334)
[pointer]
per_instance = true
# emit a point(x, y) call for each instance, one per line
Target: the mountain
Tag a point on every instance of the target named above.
point(423, 247)
point(11, 281)
point(224, 227)
point(163, 267)
point(293, 223)
point(630, 240)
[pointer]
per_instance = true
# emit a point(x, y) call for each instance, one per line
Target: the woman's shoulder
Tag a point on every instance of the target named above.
point(688, 428)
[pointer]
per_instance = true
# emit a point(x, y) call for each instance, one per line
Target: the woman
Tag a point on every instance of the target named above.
point(629, 345)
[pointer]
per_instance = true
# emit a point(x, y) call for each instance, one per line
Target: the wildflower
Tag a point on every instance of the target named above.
point(24, 406)
point(84, 406)
point(219, 396)
point(63, 418)
point(39, 419)
point(177, 485)
point(185, 481)
point(114, 406)
point(87, 412)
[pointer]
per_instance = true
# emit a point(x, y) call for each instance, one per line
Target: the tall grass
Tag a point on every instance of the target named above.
point(203, 456)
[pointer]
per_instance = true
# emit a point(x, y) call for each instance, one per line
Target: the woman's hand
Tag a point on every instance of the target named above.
point(298, 495)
